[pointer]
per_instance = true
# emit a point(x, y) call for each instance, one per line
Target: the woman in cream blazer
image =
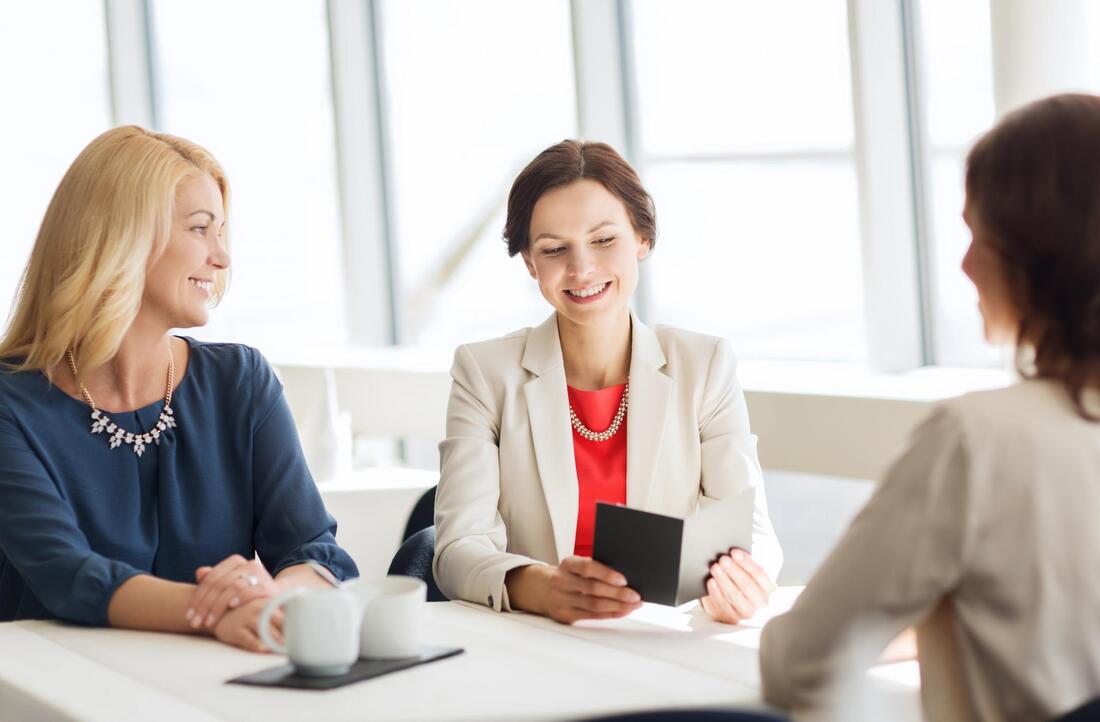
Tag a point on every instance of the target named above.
point(507, 502)
point(984, 533)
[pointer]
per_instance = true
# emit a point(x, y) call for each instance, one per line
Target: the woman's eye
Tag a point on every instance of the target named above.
point(605, 241)
point(200, 229)
point(553, 251)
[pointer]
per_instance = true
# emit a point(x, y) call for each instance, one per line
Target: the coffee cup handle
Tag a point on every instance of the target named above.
point(264, 627)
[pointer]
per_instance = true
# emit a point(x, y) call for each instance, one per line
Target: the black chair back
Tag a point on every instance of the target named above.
point(414, 559)
point(422, 515)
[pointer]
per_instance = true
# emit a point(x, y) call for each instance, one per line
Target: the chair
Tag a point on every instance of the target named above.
point(1088, 712)
point(422, 516)
point(692, 715)
point(414, 559)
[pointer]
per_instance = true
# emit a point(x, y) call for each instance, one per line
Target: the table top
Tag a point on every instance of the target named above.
point(515, 666)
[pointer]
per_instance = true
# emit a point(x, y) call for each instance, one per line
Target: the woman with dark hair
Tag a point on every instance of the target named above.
point(590, 406)
point(984, 533)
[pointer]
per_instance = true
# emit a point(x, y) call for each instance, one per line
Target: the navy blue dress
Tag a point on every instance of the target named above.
point(78, 518)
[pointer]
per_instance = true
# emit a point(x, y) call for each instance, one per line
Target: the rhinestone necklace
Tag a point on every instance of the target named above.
point(116, 435)
point(615, 423)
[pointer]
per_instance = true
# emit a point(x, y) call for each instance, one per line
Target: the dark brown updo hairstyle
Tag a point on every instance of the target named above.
point(567, 162)
point(1034, 183)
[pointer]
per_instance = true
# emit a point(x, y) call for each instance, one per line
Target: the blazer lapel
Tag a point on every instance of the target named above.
point(551, 432)
point(650, 392)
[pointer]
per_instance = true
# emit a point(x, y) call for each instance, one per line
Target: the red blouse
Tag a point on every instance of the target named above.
point(601, 465)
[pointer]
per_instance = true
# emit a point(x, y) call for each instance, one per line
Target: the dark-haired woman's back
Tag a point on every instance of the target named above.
point(983, 534)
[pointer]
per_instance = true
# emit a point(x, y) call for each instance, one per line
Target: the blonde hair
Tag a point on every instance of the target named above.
point(108, 220)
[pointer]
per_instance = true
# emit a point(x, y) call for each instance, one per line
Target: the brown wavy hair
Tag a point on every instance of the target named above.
point(567, 162)
point(1034, 181)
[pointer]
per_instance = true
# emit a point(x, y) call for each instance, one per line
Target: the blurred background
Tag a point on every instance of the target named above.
point(805, 156)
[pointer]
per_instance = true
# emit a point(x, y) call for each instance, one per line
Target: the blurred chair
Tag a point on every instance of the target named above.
point(422, 515)
point(691, 715)
point(414, 559)
point(1088, 712)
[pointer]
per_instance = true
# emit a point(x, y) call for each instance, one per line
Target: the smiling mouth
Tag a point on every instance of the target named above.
point(203, 285)
point(588, 292)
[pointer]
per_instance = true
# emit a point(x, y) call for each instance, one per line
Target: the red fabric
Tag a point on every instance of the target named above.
point(601, 465)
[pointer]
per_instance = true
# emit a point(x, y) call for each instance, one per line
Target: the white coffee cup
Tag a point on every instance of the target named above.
point(392, 616)
point(321, 630)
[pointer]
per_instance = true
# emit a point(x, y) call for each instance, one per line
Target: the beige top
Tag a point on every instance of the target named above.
point(507, 494)
point(985, 534)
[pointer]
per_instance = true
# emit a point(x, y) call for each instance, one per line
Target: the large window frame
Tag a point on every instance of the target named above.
point(888, 148)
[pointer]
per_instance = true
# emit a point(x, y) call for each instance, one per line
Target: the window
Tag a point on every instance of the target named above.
point(746, 143)
point(56, 100)
point(474, 90)
point(957, 83)
point(261, 102)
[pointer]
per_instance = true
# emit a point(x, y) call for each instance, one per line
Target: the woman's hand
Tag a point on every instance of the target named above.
point(737, 588)
point(239, 627)
point(580, 588)
point(232, 583)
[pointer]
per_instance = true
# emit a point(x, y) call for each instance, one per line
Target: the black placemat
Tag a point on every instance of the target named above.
point(284, 676)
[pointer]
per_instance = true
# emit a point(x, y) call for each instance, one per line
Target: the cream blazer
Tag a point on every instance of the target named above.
point(984, 534)
point(507, 493)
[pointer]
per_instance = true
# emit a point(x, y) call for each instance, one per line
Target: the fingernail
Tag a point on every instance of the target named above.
point(738, 554)
point(209, 619)
point(633, 596)
point(195, 621)
point(725, 561)
point(715, 569)
point(234, 602)
point(190, 613)
point(621, 581)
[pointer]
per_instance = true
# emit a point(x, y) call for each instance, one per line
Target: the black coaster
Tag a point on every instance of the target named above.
point(284, 676)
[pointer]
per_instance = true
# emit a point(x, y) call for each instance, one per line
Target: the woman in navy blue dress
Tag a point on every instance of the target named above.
point(147, 480)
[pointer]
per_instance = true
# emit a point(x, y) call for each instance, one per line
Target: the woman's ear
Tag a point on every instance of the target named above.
point(645, 247)
point(530, 266)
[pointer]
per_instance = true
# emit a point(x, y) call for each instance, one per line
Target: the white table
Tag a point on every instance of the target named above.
point(515, 667)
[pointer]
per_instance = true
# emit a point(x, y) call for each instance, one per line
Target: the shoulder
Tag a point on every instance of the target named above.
point(682, 343)
point(1028, 409)
point(21, 391)
point(495, 357)
point(229, 367)
point(232, 359)
point(690, 355)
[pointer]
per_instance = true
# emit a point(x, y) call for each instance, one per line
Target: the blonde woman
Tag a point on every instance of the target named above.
point(141, 472)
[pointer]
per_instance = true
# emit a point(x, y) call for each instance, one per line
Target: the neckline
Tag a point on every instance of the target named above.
point(160, 402)
point(616, 387)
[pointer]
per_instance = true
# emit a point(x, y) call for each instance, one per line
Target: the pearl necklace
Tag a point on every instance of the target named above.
point(615, 423)
point(116, 434)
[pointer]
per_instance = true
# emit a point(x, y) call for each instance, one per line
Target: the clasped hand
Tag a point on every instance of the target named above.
point(229, 598)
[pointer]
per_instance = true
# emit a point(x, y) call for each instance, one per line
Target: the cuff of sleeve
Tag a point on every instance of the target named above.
point(118, 574)
point(327, 554)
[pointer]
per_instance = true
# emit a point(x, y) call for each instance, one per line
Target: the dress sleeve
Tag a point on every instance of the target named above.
point(291, 523)
point(40, 536)
point(903, 552)
point(471, 560)
point(728, 448)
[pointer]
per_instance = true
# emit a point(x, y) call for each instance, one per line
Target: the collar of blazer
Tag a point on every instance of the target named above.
point(552, 434)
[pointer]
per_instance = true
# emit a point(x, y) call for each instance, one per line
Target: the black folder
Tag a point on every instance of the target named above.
point(667, 559)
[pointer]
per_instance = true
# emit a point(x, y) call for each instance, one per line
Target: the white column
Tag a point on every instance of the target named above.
point(887, 140)
point(1039, 48)
point(131, 74)
point(357, 80)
